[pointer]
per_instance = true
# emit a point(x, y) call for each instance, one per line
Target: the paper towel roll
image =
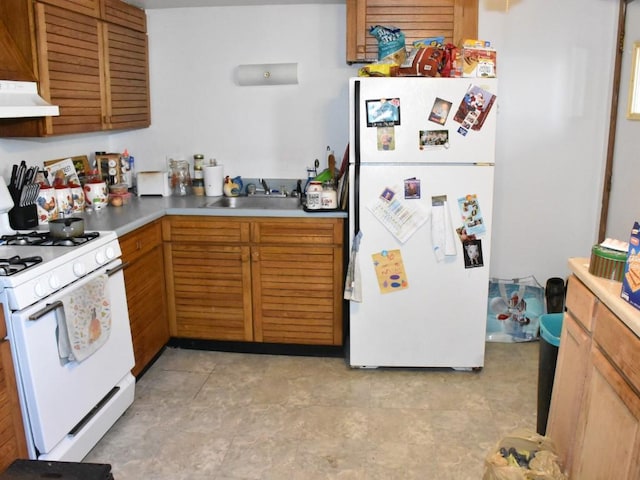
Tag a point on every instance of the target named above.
point(213, 180)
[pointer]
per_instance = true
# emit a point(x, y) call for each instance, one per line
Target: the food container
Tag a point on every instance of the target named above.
point(66, 227)
point(607, 263)
point(96, 195)
point(119, 199)
point(198, 187)
point(118, 188)
point(314, 195)
point(46, 205)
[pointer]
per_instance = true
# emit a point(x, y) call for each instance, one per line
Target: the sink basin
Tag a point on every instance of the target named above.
point(265, 202)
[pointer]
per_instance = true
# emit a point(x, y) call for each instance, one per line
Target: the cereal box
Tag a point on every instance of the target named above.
point(478, 62)
point(631, 278)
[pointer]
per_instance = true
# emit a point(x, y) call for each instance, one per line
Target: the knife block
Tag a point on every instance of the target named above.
point(22, 218)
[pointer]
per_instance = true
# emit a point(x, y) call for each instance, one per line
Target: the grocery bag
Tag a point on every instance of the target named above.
point(523, 455)
point(513, 310)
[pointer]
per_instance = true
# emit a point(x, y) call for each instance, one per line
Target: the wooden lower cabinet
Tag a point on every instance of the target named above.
point(594, 418)
point(271, 280)
point(571, 370)
point(13, 444)
point(609, 445)
point(146, 294)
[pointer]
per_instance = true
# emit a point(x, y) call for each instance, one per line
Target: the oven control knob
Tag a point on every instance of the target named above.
point(79, 269)
point(110, 253)
point(54, 282)
point(39, 290)
point(100, 257)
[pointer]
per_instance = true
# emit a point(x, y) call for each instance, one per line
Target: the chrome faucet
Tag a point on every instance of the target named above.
point(267, 190)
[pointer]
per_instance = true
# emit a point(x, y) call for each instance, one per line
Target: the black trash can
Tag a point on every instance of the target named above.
point(550, 329)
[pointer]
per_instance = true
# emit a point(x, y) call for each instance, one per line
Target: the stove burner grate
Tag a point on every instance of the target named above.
point(45, 239)
point(15, 264)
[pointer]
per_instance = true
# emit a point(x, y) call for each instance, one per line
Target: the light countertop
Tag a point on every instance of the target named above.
point(141, 211)
point(608, 291)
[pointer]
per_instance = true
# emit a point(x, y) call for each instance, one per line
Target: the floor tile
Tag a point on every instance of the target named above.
point(231, 416)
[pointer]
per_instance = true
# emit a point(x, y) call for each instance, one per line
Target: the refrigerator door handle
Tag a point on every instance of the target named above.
point(356, 158)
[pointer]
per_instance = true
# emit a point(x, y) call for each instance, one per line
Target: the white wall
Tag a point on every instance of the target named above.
point(270, 131)
point(555, 67)
point(555, 73)
point(624, 206)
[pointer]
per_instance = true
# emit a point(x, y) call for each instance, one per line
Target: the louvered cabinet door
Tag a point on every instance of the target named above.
point(69, 58)
point(126, 78)
point(455, 20)
point(297, 280)
point(13, 444)
point(210, 291)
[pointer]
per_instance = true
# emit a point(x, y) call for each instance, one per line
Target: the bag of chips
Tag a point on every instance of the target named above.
point(391, 44)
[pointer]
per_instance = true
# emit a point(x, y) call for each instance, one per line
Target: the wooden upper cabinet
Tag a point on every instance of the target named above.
point(89, 57)
point(17, 57)
point(123, 14)
point(456, 20)
point(127, 77)
point(85, 7)
point(71, 72)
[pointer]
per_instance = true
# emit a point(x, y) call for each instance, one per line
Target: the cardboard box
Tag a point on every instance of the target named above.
point(631, 279)
point(478, 62)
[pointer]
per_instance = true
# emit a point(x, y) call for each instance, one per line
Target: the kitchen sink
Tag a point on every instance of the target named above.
point(264, 202)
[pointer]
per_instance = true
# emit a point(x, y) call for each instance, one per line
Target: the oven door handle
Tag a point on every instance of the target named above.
point(117, 268)
point(49, 307)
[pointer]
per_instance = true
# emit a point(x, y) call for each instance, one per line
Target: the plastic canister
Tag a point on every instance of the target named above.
point(314, 195)
point(329, 197)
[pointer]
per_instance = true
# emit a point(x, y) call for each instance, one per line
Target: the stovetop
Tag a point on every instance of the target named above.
point(50, 268)
point(46, 239)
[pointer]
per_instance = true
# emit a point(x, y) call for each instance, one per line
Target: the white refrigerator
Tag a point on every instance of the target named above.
point(420, 212)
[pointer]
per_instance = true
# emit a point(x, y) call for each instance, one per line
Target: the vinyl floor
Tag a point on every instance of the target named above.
point(202, 415)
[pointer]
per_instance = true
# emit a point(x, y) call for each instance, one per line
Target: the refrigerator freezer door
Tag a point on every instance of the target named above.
point(440, 319)
point(425, 105)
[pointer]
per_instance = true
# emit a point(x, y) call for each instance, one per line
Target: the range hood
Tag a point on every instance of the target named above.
point(21, 99)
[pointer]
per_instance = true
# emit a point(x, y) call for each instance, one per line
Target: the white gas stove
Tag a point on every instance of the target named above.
point(68, 401)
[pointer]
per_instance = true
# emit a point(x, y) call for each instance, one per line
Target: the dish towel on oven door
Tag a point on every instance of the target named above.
point(84, 321)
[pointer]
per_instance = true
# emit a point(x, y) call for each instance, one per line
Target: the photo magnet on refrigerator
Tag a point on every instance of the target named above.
point(471, 215)
point(474, 108)
point(440, 111)
point(386, 138)
point(411, 188)
point(383, 112)
point(473, 254)
point(434, 139)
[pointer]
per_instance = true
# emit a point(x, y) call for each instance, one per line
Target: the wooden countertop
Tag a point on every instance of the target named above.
point(608, 291)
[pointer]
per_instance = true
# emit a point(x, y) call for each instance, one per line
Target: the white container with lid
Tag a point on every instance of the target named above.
point(314, 195)
point(329, 197)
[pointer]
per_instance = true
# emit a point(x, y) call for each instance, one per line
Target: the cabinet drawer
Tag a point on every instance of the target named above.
point(580, 302)
point(619, 343)
point(298, 231)
point(229, 230)
point(141, 241)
